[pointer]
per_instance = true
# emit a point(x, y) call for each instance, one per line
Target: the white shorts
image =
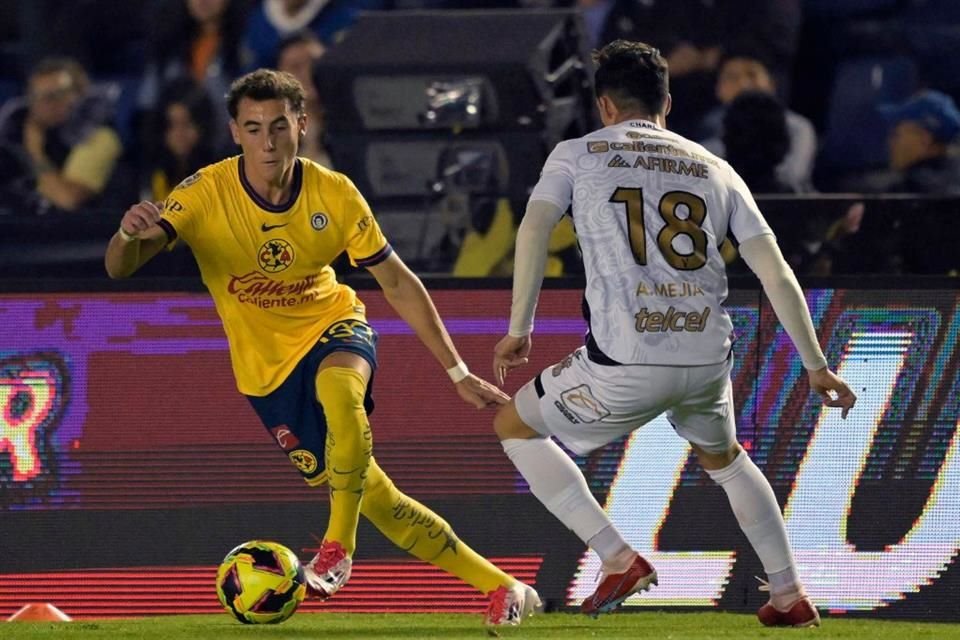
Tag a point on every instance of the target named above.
point(586, 405)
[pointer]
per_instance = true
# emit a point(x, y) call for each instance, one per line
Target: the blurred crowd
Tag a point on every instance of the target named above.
point(104, 103)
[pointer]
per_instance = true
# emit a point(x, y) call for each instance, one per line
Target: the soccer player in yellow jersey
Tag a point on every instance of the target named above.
point(264, 227)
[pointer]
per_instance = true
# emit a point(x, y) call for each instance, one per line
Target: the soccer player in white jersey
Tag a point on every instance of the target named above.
point(650, 210)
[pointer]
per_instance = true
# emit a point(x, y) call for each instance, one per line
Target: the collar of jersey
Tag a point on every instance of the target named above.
point(263, 203)
point(646, 123)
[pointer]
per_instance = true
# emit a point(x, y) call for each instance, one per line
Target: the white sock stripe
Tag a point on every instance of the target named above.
point(730, 471)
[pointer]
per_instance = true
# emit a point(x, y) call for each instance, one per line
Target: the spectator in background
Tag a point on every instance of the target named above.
point(740, 72)
point(695, 34)
point(756, 139)
point(198, 39)
point(275, 19)
point(182, 141)
point(607, 20)
point(62, 127)
point(923, 129)
point(297, 55)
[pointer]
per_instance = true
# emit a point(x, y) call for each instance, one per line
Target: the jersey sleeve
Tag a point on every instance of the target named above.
point(365, 243)
point(746, 221)
point(556, 180)
point(184, 208)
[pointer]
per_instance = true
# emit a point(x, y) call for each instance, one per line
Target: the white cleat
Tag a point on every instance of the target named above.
point(328, 571)
point(508, 607)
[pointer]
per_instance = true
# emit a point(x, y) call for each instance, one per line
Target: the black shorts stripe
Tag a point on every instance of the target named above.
point(538, 386)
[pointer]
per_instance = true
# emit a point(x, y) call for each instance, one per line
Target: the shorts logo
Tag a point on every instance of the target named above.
point(275, 255)
point(581, 402)
point(566, 412)
point(303, 460)
point(285, 437)
point(566, 363)
point(318, 221)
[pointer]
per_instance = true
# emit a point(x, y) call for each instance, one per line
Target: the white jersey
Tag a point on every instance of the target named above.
point(650, 210)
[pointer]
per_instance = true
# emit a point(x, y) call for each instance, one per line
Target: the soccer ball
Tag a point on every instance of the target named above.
point(261, 582)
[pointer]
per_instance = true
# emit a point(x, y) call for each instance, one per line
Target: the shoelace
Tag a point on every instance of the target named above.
point(498, 602)
point(327, 556)
point(764, 585)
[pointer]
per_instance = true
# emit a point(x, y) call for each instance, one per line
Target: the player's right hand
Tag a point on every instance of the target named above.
point(832, 389)
point(140, 217)
point(480, 393)
point(511, 352)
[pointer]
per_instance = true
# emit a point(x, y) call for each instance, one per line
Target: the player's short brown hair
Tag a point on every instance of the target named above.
point(266, 84)
point(633, 75)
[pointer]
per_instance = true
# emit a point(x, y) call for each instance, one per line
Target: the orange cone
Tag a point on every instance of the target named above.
point(39, 612)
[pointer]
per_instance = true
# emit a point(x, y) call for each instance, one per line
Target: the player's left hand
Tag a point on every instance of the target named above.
point(480, 393)
point(510, 352)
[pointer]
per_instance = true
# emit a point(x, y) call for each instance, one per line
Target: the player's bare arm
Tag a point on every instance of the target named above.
point(408, 297)
point(764, 258)
point(136, 242)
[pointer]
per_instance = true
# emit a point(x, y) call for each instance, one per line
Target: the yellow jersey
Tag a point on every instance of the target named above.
point(268, 266)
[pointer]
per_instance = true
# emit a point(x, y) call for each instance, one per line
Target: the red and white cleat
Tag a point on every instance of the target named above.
point(511, 606)
point(801, 613)
point(614, 588)
point(328, 571)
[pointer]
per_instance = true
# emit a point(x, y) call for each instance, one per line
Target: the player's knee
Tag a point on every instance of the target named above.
point(507, 424)
point(713, 460)
point(378, 483)
point(340, 388)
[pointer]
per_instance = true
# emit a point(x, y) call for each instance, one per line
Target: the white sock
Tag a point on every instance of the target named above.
point(558, 483)
point(614, 552)
point(755, 507)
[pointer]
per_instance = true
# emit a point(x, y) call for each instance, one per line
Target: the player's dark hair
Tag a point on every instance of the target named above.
point(632, 74)
point(266, 84)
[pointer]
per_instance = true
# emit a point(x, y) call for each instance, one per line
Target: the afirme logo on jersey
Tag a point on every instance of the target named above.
point(672, 320)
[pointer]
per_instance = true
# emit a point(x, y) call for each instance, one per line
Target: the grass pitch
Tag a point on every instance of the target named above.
point(324, 626)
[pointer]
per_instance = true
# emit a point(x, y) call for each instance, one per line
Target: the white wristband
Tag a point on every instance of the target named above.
point(458, 372)
point(127, 237)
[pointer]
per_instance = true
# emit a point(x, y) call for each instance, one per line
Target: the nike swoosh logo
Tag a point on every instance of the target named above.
point(267, 227)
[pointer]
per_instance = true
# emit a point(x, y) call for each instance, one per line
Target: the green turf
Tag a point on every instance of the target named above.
point(320, 626)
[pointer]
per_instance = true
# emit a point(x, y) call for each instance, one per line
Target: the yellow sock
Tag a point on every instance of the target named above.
point(422, 533)
point(347, 451)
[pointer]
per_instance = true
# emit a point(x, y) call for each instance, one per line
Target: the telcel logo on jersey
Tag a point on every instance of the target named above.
point(672, 320)
point(265, 292)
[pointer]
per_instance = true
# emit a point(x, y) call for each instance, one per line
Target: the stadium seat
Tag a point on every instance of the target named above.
point(123, 90)
point(856, 133)
point(939, 12)
point(930, 44)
